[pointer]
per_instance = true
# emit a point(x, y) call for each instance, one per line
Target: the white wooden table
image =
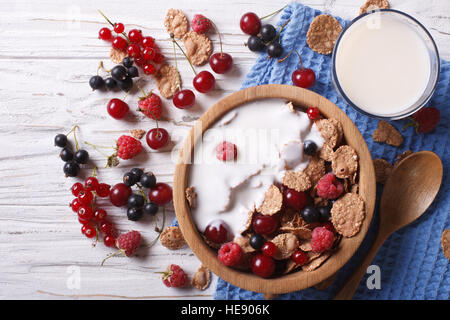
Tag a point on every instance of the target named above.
point(48, 51)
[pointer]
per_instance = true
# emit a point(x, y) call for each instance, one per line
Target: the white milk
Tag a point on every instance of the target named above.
point(268, 136)
point(382, 65)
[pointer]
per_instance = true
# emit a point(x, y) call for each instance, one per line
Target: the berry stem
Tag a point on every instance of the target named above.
point(287, 56)
point(112, 24)
point(100, 66)
point(142, 192)
point(218, 33)
point(273, 13)
point(279, 32)
point(77, 146)
point(120, 252)
point(159, 230)
point(176, 43)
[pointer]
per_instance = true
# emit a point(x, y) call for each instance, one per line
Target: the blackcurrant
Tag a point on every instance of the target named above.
point(148, 180)
point(275, 50)
point(81, 156)
point(126, 84)
point(138, 172)
point(309, 147)
point(257, 241)
point(127, 62)
point(119, 73)
point(96, 82)
point(60, 140)
point(325, 213)
point(66, 154)
point(110, 83)
point(268, 32)
point(254, 43)
point(71, 169)
point(136, 201)
point(134, 214)
point(310, 214)
point(130, 179)
point(151, 208)
point(133, 72)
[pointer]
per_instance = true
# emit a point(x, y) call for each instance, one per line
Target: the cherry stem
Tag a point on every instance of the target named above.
point(157, 229)
point(175, 42)
point(273, 13)
point(94, 173)
point(218, 33)
point(298, 54)
point(112, 24)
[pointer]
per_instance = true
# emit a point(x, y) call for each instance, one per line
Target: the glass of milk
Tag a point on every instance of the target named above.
point(385, 64)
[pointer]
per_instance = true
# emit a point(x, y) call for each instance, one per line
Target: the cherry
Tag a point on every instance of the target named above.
point(134, 50)
point(119, 194)
point(250, 23)
point(119, 43)
point(160, 194)
point(103, 190)
point(303, 78)
point(157, 138)
point(90, 231)
point(204, 81)
point(184, 99)
point(109, 241)
point(91, 184)
point(135, 35)
point(149, 69)
point(221, 62)
point(299, 257)
point(264, 224)
point(76, 188)
point(294, 199)
point(85, 197)
point(313, 113)
point(85, 213)
point(147, 42)
point(269, 249)
point(105, 34)
point(75, 205)
point(117, 108)
point(217, 231)
point(119, 27)
point(263, 266)
point(99, 215)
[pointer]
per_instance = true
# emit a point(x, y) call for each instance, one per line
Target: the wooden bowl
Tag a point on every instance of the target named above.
point(296, 280)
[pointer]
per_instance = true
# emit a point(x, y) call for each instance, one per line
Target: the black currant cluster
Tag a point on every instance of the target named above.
point(266, 41)
point(312, 214)
point(71, 160)
point(121, 76)
point(137, 203)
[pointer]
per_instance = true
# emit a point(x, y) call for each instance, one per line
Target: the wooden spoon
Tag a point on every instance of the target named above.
point(408, 192)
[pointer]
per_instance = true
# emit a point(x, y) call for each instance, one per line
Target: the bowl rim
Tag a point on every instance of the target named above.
point(208, 257)
point(349, 101)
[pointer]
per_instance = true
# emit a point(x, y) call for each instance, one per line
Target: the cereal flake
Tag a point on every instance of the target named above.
point(273, 201)
point(383, 170)
point(347, 214)
point(117, 55)
point(168, 80)
point(172, 238)
point(387, 133)
point(331, 130)
point(137, 133)
point(191, 197)
point(176, 23)
point(373, 5)
point(202, 278)
point(286, 243)
point(445, 242)
point(323, 33)
point(316, 262)
point(315, 169)
point(297, 180)
point(198, 47)
point(344, 162)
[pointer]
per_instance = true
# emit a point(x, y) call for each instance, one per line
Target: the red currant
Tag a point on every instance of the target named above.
point(90, 231)
point(85, 213)
point(105, 34)
point(76, 188)
point(299, 257)
point(140, 61)
point(269, 249)
point(119, 194)
point(85, 197)
point(184, 99)
point(221, 62)
point(264, 224)
point(83, 228)
point(75, 205)
point(147, 42)
point(263, 266)
point(158, 58)
point(294, 199)
point(119, 43)
point(135, 35)
point(117, 108)
point(250, 23)
point(119, 27)
point(303, 78)
point(217, 231)
point(106, 227)
point(204, 81)
point(109, 241)
point(160, 194)
point(91, 184)
point(99, 215)
point(157, 138)
point(134, 50)
point(313, 113)
point(149, 53)
point(149, 69)
point(103, 190)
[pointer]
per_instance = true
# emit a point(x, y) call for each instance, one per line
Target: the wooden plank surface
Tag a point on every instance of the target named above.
point(48, 52)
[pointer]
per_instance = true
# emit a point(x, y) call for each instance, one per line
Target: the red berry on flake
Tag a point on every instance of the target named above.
point(128, 147)
point(250, 23)
point(329, 187)
point(157, 138)
point(321, 239)
point(426, 119)
point(226, 151)
point(200, 23)
point(230, 254)
point(174, 277)
point(300, 257)
point(313, 113)
point(263, 266)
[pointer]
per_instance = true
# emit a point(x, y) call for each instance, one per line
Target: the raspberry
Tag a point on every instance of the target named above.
point(230, 254)
point(174, 277)
point(226, 151)
point(426, 119)
point(150, 106)
point(322, 239)
point(200, 23)
point(129, 242)
point(128, 147)
point(329, 187)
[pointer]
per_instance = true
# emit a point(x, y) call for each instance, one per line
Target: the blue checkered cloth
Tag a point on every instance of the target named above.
point(411, 260)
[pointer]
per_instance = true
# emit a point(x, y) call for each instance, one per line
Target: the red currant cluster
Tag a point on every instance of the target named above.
point(142, 49)
point(93, 219)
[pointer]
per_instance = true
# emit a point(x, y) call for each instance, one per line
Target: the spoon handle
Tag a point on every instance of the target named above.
point(348, 290)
